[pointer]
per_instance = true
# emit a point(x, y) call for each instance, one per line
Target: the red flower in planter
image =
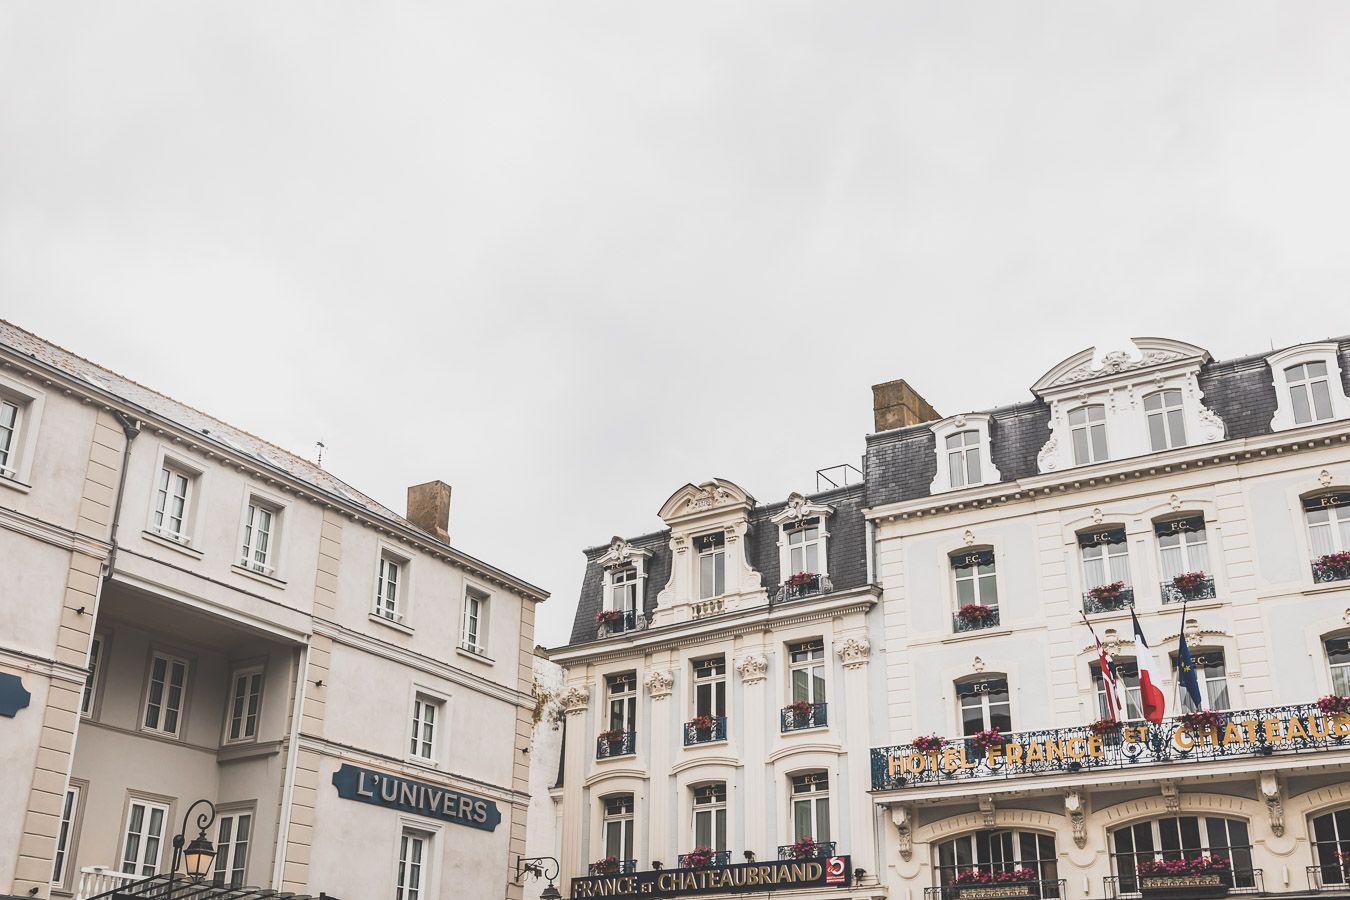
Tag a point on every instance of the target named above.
point(975, 614)
point(1105, 726)
point(1189, 582)
point(801, 579)
point(1203, 720)
point(612, 736)
point(608, 616)
point(1201, 865)
point(1333, 566)
point(699, 857)
point(804, 848)
point(606, 866)
point(702, 723)
point(802, 708)
point(928, 743)
point(1107, 593)
point(990, 737)
point(1333, 705)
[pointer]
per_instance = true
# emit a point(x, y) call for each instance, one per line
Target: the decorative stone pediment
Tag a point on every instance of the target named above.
point(575, 700)
point(660, 682)
point(701, 499)
point(1145, 353)
point(621, 553)
point(798, 508)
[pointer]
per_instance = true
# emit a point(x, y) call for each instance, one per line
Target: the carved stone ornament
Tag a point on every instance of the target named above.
point(969, 537)
point(1346, 616)
point(1211, 425)
point(1270, 792)
point(1324, 478)
point(621, 553)
point(798, 508)
point(903, 819)
point(854, 652)
point(1114, 363)
point(1097, 516)
point(1046, 460)
point(1077, 813)
point(1111, 641)
point(708, 497)
point(977, 665)
point(659, 683)
point(1192, 631)
point(1171, 796)
point(1175, 502)
point(574, 700)
point(988, 814)
point(960, 421)
point(753, 669)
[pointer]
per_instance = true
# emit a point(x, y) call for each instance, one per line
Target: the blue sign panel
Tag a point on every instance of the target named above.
point(13, 695)
point(420, 798)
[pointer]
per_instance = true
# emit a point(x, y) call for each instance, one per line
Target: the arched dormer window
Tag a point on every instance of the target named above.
point(803, 548)
point(1308, 386)
point(1328, 518)
point(964, 454)
point(624, 588)
point(1087, 430)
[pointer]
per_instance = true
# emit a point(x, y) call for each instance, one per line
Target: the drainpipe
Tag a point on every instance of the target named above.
point(130, 428)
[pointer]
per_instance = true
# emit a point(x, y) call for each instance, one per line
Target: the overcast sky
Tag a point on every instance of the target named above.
point(568, 256)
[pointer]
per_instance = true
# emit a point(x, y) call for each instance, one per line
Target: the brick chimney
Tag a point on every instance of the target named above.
point(896, 405)
point(429, 508)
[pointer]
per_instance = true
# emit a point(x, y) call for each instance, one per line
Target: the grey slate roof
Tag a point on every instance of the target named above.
point(846, 554)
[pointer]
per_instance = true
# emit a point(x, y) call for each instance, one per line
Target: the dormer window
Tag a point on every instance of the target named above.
point(623, 585)
point(1166, 420)
point(963, 458)
point(1309, 392)
point(712, 565)
point(1308, 385)
point(803, 540)
point(1087, 425)
point(963, 453)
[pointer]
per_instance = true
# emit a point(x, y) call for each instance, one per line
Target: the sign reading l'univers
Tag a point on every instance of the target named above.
point(741, 878)
point(420, 798)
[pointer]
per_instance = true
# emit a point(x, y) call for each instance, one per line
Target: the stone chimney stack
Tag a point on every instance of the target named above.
point(896, 405)
point(429, 508)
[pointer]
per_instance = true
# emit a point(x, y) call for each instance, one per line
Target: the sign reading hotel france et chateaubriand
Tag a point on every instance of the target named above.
point(417, 797)
point(1206, 737)
point(754, 877)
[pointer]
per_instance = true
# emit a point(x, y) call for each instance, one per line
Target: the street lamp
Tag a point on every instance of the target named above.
point(198, 855)
point(539, 867)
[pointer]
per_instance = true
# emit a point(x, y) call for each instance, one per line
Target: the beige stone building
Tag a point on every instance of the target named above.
point(189, 612)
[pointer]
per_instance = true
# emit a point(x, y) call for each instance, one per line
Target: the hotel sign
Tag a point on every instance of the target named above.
point(1286, 729)
point(417, 797)
point(741, 878)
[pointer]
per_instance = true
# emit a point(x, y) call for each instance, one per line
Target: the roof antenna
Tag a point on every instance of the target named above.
point(319, 444)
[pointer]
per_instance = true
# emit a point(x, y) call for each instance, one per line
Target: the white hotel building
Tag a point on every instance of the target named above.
point(1124, 472)
point(189, 612)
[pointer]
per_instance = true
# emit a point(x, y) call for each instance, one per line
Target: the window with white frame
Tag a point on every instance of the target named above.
point(473, 630)
point(1182, 546)
point(1106, 556)
point(91, 678)
point(963, 458)
point(9, 437)
point(993, 852)
point(1328, 518)
point(976, 578)
point(173, 494)
point(1331, 846)
point(618, 827)
point(710, 815)
point(712, 565)
point(413, 856)
point(811, 807)
point(622, 690)
point(1308, 387)
point(20, 413)
point(165, 694)
point(803, 547)
point(234, 831)
point(65, 836)
point(623, 588)
point(1182, 837)
point(241, 721)
point(985, 704)
point(259, 540)
point(1338, 661)
point(426, 717)
point(1211, 675)
point(1087, 430)
point(1127, 672)
point(964, 453)
point(389, 587)
point(1309, 392)
point(143, 837)
point(1166, 420)
point(806, 665)
point(710, 686)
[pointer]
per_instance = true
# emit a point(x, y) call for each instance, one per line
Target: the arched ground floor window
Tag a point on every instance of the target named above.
point(995, 852)
point(1181, 837)
point(1331, 846)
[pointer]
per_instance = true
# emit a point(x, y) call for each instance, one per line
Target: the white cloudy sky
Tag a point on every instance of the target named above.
point(569, 255)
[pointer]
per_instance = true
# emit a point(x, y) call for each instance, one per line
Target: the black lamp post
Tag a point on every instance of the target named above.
point(540, 867)
point(197, 856)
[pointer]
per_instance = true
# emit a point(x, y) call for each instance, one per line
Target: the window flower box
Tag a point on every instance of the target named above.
point(975, 615)
point(928, 743)
point(1204, 876)
point(984, 740)
point(1333, 705)
point(1202, 720)
point(1332, 567)
point(801, 580)
point(1108, 594)
point(1191, 584)
point(699, 857)
point(607, 866)
point(702, 723)
point(976, 884)
point(803, 848)
point(612, 735)
point(1105, 726)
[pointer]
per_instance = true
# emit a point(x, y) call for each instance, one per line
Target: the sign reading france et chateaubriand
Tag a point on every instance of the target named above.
point(741, 878)
point(393, 792)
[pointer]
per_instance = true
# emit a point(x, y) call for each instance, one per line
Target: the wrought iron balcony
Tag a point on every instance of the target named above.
point(1237, 881)
point(794, 720)
point(816, 850)
point(1333, 877)
point(1123, 599)
point(717, 731)
point(1278, 730)
point(1045, 889)
point(810, 587)
point(618, 867)
point(619, 621)
point(1173, 594)
point(719, 858)
point(624, 745)
point(988, 620)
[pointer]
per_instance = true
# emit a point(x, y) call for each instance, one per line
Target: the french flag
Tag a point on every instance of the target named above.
point(1150, 680)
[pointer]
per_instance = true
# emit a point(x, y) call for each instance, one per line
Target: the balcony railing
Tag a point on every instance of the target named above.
point(626, 620)
point(989, 620)
point(1303, 729)
point(716, 732)
point(818, 850)
point(816, 584)
point(1124, 599)
point(95, 880)
point(618, 867)
point(719, 858)
point(1323, 573)
point(1173, 594)
point(1238, 881)
point(1046, 889)
point(794, 720)
point(626, 745)
point(1329, 878)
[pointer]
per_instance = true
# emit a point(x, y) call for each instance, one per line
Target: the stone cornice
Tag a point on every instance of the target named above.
point(56, 535)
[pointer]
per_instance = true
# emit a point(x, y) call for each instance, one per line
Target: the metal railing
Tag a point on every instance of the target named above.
point(1335, 877)
point(719, 858)
point(96, 880)
point(1046, 889)
point(792, 720)
point(1173, 594)
point(621, 746)
point(817, 850)
point(816, 584)
point(1124, 599)
point(1237, 881)
point(626, 620)
point(990, 621)
point(1324, 574)
point(716, 732)
point(618, 867)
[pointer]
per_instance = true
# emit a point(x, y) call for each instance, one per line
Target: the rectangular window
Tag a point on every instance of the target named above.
point(712, 565)
point(233, 833)
point(984, 705)
point(386, 589)
point(622, 701)
point(807, 665)
point(1128, 672)
point(1166, 420)
point(1106, 557)
point(1087, 427)
point(1212, 677)
point(811, 807)
point(473, 635)
point(1338, 658)
point(144, 837)
point(963, 458)
point(91, 679)
point(258, 533)
point(165, 693)
point(618, 827)
point(710, 686)
point(803, 543)
point(9, 430)
point(412, 859)
point(1328, 523)
point(1309, 392)
point(65, 835)
point(976, 578)
point(710, 816)
point(245, 703)
point(171, 503)
point(425, 716)
point(1182, 546)
point(623, 589)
